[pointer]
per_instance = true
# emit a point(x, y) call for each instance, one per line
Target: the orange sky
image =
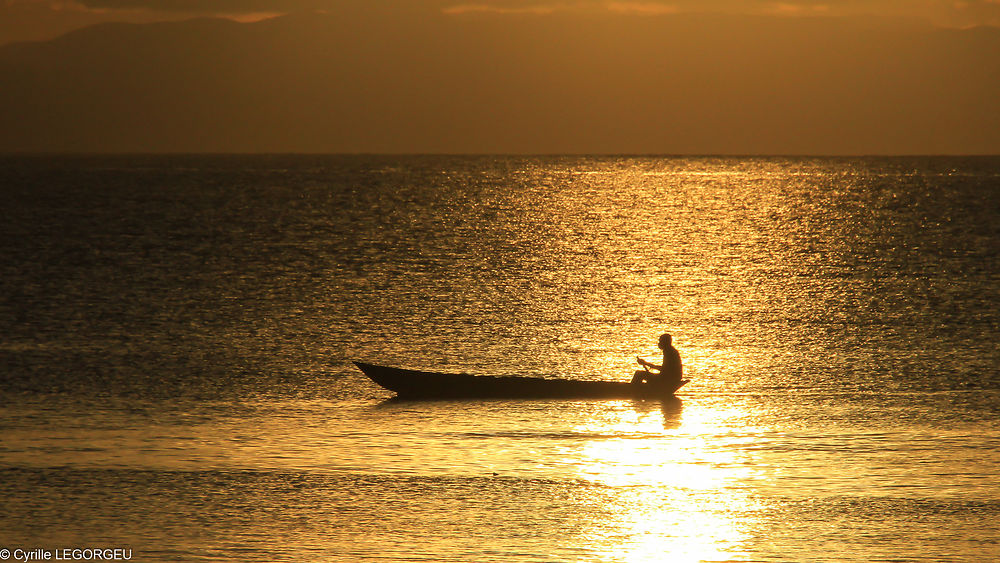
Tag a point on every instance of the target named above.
point(44, 19)
point(491, 76)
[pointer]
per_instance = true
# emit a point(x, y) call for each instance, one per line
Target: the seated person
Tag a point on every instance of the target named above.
point(670, 373)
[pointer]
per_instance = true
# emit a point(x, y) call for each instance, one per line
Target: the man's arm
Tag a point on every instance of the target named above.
point(644, 363)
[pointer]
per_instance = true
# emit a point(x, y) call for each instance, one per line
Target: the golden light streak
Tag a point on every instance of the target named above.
point(678, 495)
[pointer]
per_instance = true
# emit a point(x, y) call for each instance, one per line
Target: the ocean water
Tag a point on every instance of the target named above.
point(176, 338)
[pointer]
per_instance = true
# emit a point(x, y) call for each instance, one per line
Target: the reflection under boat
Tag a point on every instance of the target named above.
point(670, 408)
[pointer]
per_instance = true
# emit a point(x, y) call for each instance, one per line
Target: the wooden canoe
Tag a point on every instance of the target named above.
point(413, 384)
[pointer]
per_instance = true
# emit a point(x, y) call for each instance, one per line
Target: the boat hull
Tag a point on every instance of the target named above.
point(413, 384)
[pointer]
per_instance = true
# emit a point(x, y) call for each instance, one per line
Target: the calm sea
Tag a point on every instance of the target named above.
point(176, 338)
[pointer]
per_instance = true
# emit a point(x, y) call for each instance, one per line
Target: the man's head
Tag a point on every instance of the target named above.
point(665, 341)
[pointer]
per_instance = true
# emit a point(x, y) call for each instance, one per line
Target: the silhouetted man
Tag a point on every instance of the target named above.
point(670, 373)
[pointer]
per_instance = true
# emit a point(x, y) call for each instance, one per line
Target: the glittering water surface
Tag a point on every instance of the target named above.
point(176, 336)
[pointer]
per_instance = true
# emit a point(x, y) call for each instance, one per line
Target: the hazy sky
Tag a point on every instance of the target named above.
point(44, 19)
point(503, 76)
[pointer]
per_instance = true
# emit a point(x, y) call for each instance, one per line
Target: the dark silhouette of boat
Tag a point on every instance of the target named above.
point(413, 384)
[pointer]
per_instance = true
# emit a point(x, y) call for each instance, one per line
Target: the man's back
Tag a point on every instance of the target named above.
point(672, 371)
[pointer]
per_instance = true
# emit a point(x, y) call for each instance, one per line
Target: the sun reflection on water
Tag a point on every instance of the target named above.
point(679, 486)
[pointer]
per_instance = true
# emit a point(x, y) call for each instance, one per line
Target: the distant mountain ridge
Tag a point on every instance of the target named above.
point(376, 82)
